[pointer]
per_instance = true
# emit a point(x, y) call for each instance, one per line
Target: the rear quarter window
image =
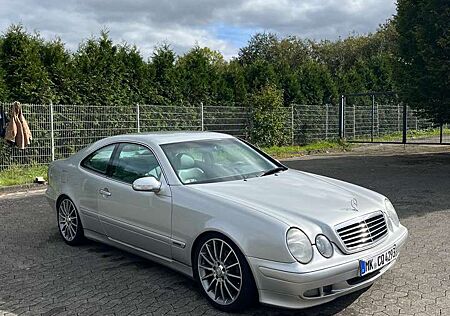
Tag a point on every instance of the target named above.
point(98, 161)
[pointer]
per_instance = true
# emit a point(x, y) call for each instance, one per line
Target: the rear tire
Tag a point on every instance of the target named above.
point(69, 223)
point(223, 274)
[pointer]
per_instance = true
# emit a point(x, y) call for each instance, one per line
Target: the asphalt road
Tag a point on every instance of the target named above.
point(40, 275)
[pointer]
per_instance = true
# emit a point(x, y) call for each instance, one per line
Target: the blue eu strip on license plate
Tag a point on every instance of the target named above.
point(362, 267)
point(377, 262)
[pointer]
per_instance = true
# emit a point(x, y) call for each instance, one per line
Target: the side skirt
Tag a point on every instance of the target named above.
point(173, 264)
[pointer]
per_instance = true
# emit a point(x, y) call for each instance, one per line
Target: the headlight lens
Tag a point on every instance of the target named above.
point(324, 246)
point(390, 210)
point(299, 245)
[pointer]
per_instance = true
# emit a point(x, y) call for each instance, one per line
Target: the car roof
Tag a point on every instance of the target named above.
point(160, 138)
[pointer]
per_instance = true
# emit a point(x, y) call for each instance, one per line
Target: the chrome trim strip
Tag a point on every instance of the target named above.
point(178, 243)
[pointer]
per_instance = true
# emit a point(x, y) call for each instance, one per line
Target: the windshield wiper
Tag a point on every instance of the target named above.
point(273, 171)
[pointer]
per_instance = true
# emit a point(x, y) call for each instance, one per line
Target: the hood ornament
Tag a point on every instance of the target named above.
point(354, 204)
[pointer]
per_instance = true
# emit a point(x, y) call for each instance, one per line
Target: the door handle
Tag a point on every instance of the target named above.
point(105, 192)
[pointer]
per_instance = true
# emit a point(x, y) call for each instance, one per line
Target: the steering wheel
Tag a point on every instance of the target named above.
point(238, 165)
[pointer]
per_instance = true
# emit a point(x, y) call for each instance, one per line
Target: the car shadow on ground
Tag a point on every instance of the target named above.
point(121, 259)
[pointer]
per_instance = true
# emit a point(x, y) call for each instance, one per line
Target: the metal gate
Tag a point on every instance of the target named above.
point(379, 117)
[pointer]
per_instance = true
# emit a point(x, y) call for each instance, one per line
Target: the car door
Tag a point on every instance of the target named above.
point(93, 170)
point(138, 219)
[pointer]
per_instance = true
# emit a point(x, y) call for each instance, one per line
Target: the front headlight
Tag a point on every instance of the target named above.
point(299, 245)
point(324, 246)
point(390, 210)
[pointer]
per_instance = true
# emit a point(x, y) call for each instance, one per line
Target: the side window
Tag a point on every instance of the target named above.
point(98, 161)
point(133, 162)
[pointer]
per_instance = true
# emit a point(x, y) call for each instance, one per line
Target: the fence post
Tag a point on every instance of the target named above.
point(202, 116)
point(373, 119)
point(354, 120)
point(405, 123)
point(441, 132)
point(138, 118)
point(341, 118)
point(377, 109)
point(52, 132)
point(292, 124)
point(326, 121)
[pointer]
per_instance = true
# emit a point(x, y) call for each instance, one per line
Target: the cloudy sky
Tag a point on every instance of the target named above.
point(223, 25)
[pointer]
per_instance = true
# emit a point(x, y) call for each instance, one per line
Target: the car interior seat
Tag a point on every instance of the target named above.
point(187, 171)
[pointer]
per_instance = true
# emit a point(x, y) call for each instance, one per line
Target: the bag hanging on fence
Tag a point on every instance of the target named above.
point(3, 121)
point(17, 130)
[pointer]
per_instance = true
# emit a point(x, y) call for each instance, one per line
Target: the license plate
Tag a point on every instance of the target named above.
point(377, 262)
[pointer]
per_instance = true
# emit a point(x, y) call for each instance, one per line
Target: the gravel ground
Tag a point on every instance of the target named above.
point(40, 275)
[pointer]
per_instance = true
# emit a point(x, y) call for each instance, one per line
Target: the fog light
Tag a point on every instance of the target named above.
point(324, 246)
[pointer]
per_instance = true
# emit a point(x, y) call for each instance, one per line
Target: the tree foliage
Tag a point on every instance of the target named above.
point(268, 117)
point(102, 72)
point(25, 76)
point(423, 57)
point(411, 53)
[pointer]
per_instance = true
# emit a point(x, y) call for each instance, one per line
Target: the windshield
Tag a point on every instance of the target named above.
point(217, 160)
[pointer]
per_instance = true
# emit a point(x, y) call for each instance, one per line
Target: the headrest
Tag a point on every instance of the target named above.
point(186, 162)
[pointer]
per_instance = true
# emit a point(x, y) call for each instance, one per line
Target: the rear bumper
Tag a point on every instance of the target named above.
point(289, 285)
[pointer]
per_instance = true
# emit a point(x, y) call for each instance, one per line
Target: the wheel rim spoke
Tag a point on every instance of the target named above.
point(232, 285)
point(207, 276)
point(228, 291)
point(226, 258)
point(215, 250)
point(220, 252)
point(233, 276)
point(206, 268)
point(210, 285)
point(221, 292)
point(216, 293)
point(207, 260)
point(232, 265)
point(209, 253)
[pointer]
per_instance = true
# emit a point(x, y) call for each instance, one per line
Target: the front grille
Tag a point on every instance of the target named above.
point(363, 233)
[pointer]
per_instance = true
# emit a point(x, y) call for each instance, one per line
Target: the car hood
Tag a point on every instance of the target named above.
point(297, 197)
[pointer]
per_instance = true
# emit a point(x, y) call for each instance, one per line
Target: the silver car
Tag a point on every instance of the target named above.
point(219, 210)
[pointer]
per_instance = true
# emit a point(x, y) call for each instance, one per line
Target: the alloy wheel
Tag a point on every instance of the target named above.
point(68, 220)
point(220, 271)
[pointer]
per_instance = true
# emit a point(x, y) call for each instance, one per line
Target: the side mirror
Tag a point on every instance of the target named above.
point(149, 184)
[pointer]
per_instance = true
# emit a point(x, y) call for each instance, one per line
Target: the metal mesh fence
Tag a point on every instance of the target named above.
point(232, 120)
point(315, 122)
point(39, 151)
point(77, 126)
point(61, 130)
point(381, 119)
point(168, 118)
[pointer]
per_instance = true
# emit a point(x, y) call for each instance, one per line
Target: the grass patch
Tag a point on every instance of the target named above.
point(16, 175)
point(313, 148)
point(411, 134)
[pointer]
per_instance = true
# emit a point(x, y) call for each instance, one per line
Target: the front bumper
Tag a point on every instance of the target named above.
point(289, 285)
point(50, 195)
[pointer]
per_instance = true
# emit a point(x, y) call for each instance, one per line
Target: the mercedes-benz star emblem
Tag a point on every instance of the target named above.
point(354, 204)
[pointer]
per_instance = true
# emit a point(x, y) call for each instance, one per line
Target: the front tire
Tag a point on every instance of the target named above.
point(223, 274)
point(69, 223)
